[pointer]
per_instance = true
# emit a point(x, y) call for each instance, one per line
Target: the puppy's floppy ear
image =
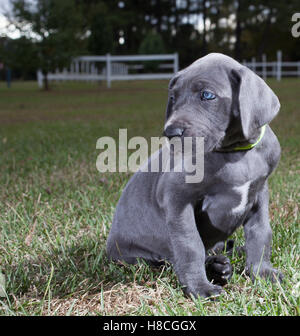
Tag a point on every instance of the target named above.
point(170, 102)
point(256, 104)
point(169, 108)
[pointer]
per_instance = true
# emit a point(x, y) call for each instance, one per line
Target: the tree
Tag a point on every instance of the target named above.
point(54, 26)
point(98, 23)
point(60, 29)
point(188, 43)
point(204, 41)
point(263, 27)
point(20, 56)
point(152, 44)
point(101, 37)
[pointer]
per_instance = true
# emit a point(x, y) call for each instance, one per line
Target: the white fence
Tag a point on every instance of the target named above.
point(277, 69)
point(110, 68)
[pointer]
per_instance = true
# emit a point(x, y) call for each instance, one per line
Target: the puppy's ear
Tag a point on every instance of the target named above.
point(170, 101)
point(256, 104)
point(169, 108)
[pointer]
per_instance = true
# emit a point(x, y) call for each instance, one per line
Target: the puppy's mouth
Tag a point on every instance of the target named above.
point(211, 141)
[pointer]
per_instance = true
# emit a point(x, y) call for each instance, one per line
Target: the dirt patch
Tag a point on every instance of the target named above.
point(121, 299)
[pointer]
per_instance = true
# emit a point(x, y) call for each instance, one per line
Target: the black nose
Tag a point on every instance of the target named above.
point(172, 132)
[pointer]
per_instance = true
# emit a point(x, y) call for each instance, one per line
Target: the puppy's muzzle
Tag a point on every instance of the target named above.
point(173, 131)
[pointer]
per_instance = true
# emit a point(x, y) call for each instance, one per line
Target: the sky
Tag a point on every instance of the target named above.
point(12, 33)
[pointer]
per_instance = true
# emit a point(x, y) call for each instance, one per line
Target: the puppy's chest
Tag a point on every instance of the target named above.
point(227, 208)
point(241, 197)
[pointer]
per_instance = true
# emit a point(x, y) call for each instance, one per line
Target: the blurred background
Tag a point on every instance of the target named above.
point(46, 34)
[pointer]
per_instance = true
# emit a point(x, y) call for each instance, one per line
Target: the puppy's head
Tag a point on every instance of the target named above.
point(219, 99)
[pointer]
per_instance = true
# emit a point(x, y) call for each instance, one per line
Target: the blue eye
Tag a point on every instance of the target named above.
point(206, 95)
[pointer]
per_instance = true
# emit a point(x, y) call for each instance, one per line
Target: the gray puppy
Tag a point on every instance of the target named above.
point(161, 217)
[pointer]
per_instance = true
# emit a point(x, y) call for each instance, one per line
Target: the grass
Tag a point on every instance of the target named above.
point(56, 209)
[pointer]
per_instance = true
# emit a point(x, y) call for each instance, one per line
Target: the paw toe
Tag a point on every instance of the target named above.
point(219, 269)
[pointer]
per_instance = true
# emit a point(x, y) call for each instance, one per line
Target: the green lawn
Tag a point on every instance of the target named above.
point(56, 208)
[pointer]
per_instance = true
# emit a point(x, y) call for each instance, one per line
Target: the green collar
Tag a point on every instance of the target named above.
point(246, 147)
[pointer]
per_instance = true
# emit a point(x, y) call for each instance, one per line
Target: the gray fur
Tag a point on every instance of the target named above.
point(160, 217)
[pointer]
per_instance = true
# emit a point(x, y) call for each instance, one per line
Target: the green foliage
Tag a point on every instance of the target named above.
point(20, 55)
point(188, 42)
point(101, 40)
point(55, 27)
point(152, 44)
point(59, 29)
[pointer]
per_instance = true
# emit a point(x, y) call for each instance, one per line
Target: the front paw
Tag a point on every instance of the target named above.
point(218, 269)
point(203, 290)
point(264, 271)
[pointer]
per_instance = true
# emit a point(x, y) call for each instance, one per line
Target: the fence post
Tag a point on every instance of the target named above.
point(176, 63)
point(93, 68)
point(108, 70)
point(39, 76)
point(279, 58)
point(264, 70)
point(8, 77)
point(77, 67)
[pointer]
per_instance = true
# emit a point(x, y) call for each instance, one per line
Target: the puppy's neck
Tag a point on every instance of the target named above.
point(243, 145)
